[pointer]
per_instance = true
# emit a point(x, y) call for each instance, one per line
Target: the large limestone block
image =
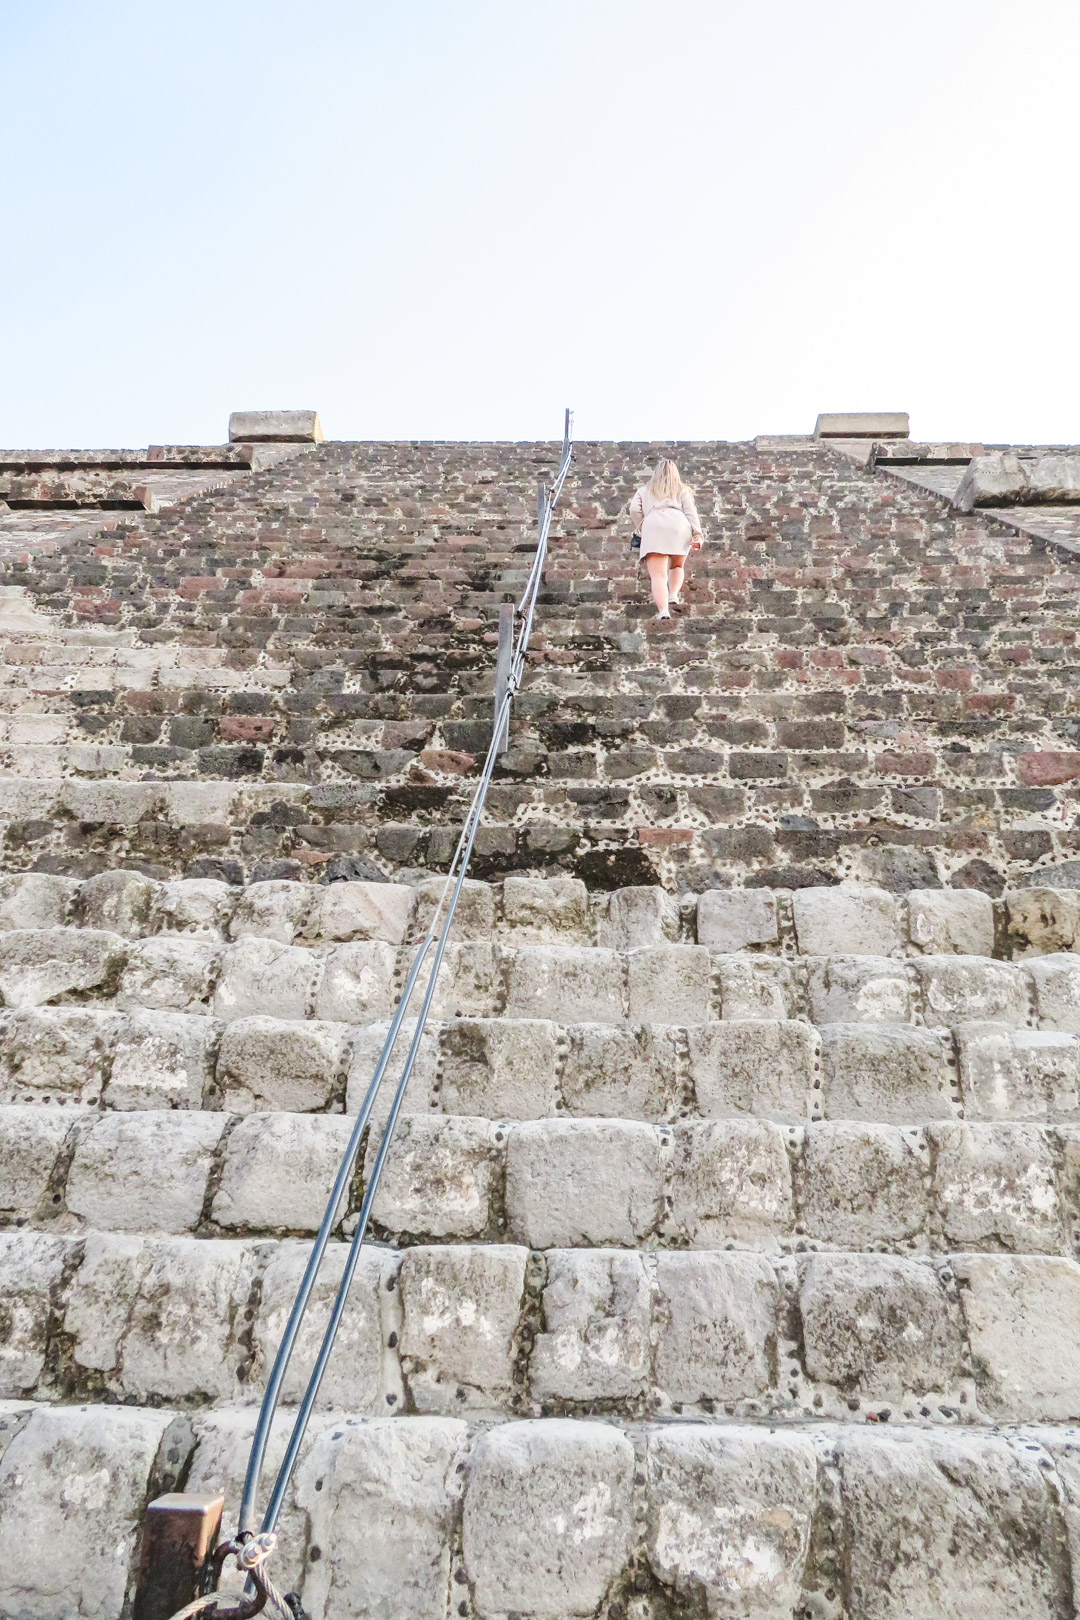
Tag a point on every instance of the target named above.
point(864, 1185)
point(877, 1326)
point(200, 906)
point(499, 1067)
point(591, 1182)
point(382, 1505)
point(35, 900)
point(120, 804)
point(39, 964)
point(669, 984)
point(737, 919)
point(275, 427)
point(1007, 478)
point(31, 1138)
point(757, 987)
point(1018, 1073)
point(144, 1171)
point(1023, 1321)
point(729, 1183)
point(357, 984)
point(351, 910)
point(995, 1187)
point(894, 1075)
point(716, 1326)
point(1057, 991)
point(964, 989)
point(262, 976)
point(462, 1307)
point(546, 911)
point(169, 973)
point(638, 917)
point(469, 983)
point(56, 1054)
point(547, 1522)
point(944, 922)
point(569, 984)
point(30, 1268)
point(730, 1512)
point(474, 917)
point(597, 1314)
point(770, 1068)
point(610, 1071)
point(439, 1178)
point(859, 990)
point(268, 1064)
point(99, 1300)
point(422, 1090)
point(954, 1524)
point(278, 1171)
point(840, 921)
point(73, 1486)
point(277, 909)
point(120, 901)
point(363, 1373)
point(162, 1060)
point(1042, 922)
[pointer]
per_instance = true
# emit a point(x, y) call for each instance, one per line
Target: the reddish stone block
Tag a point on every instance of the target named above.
point(894, 763)
point(1045, 768)
point(665, 836)
point(445, 759)
point(247, 728)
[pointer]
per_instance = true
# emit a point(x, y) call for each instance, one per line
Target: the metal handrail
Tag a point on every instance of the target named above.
point(437, 936)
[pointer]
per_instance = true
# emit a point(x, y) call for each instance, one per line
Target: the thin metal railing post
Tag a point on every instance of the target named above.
point(502, 673)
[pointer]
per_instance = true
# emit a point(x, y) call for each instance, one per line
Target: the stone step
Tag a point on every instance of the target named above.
point(968, 1338)
point(697, 1184)
point(732, 1517)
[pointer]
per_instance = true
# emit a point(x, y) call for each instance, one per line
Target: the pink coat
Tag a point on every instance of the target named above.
point(666, 526)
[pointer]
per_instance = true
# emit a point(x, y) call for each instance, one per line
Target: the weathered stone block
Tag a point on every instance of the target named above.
point(730, 1512)
point(357, 983)
point(180, 1341)
point(421, 1092)
point(584, 1181)
point(638, 917)
point(162, 1060)
point(1023, 1318)
point(963, 989)
point(546, 911)
point(861, 425)
point(279, 910)
point(1018, 1073)
point(597, 1312)
point(944, 922)
point(569, 984)
point(669, 984)
point(201, 906)
point(56, 1054)
point(859, 989)
point(278, 1171)
point(30, 1268)
point(547, 1522)
point(260, 976)
point(757, 987)
point(39, 964)
point(144, 1171)
point(863, 1185)
point(1005, 478)
point(504, 1069)
point(268, 1064)
point(73, 1486)
point(275, 427)
point(462, 1305)
point(363, 1374)
point(877, 1326)
point(119, 901)
point(735, 919)
point(860, 921)
point(439, 1178)
point(1042, 921)
point(99, 1300)
point(35, 900)
point(1057, 991)
point(766, 1067)
point(382, 1502)
point(353, 910)
point(614, 1072)
point(729, 1183)
point(997, 1188)
point(715, 1326)
point(474, 917)
point(31, 1138)
point(169, 973)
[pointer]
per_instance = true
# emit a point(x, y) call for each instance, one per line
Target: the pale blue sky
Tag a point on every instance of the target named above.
point(705, 218)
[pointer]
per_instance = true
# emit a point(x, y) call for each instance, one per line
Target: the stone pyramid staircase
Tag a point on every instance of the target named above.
point(725, 1261)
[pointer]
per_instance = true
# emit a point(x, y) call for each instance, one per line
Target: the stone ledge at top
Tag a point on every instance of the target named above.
point(862, 425)
point(280, 427)
point(1009, 479)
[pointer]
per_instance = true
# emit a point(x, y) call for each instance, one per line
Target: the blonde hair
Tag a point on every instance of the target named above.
point(666, 485)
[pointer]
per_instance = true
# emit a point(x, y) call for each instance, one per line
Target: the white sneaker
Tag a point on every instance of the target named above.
point(664, 615)
point(675, 602)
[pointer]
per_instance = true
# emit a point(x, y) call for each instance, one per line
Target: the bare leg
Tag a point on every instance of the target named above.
point(657, 564)
point(676, 576)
